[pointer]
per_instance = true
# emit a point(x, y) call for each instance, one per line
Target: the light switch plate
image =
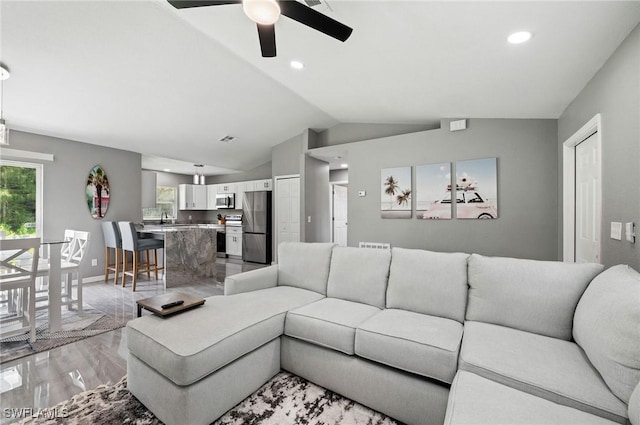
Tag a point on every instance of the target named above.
point(630, 232)
point(616, 230)
point(362, 193)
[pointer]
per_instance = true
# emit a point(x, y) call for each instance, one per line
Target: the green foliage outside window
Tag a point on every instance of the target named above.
point(17, 200)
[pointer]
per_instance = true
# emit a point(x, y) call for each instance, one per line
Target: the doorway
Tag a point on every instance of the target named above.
point(582, 199)
point(339, 214)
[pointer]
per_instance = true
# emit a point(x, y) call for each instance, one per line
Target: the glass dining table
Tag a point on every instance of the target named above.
point(55, 281)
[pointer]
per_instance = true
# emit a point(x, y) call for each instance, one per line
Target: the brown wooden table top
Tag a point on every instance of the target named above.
point(154, 304)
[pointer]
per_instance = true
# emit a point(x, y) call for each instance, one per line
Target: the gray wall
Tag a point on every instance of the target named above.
point(355, 132)
point(65, 180)
point(285, 157)
point(614, 92)
point(316, 199)
point(527, 189)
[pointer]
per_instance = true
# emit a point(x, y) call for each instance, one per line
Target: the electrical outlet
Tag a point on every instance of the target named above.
point(94, 262)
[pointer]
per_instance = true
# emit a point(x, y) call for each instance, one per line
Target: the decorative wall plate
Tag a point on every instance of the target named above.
point(97, 192)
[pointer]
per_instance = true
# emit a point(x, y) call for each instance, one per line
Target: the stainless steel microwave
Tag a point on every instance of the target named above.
point(225, 200)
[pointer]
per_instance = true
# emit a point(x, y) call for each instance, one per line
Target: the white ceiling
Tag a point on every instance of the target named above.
point(145, 77)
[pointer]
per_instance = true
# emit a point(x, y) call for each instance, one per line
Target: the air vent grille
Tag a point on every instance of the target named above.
point(312, 3)
point(227, 139)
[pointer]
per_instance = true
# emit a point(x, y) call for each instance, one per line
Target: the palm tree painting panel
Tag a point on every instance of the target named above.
point(395, 192)
point(97, 192)
point(477, 189)
point(433, 191)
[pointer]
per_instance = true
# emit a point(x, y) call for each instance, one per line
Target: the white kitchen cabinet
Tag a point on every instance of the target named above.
point(212, 191)
point(227, 188)
point(256, 185)
point(234, 241)
point(192, 197)
point(266, 184)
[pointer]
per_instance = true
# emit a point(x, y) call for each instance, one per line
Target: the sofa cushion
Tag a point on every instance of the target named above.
point(533, 296)
point(607, 327)
point(359, 274)
point(415, 342)
point(428, 282)
point(304, 265)
point(634, 406)
point(330, 322)
point(545, 367)
point(191, 345)
point(476, 400)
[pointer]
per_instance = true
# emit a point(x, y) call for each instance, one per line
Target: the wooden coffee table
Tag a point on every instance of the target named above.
point(154, 304)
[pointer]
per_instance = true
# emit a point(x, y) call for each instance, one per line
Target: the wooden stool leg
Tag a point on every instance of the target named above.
point(135, 269)
point(148, 266)
point(117, 266)
point(107, 251)
point(155, 262)
point(124, 267)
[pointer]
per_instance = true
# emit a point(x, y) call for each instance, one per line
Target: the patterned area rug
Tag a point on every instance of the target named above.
point(286, 399)
point(74, 327)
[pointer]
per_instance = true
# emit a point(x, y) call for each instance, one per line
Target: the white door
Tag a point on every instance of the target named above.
point(588, 199)
point(288, 210)
point(340, 215)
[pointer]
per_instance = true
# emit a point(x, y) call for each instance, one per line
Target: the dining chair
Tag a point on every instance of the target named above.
point(112, 240)
point(131, 243)
point(18, 269)
point(73, 255)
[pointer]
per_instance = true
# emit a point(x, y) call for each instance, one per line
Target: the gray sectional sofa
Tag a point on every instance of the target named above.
point(424, 337)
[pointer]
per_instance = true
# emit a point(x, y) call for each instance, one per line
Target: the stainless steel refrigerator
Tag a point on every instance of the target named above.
point(256, 227)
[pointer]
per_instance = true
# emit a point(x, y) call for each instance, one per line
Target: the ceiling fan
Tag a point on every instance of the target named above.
point(265, 13)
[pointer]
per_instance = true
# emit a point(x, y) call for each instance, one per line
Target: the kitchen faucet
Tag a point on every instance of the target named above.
point(164, 214)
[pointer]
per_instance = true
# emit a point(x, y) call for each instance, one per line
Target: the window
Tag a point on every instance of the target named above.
point(20, 198)
point(166, 197)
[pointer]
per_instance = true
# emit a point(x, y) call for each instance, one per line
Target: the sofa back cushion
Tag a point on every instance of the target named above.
point(533, 296)
point(304, 265)
point(427, 282)
point(607, 327)
point(359, 274)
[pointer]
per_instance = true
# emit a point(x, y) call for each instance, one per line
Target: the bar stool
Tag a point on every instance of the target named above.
point(131, 243)
point(112, 240)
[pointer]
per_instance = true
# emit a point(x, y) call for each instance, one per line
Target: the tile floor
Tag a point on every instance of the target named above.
point(45, 379)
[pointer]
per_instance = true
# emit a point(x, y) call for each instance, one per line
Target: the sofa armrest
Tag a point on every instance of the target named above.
point(251, 281)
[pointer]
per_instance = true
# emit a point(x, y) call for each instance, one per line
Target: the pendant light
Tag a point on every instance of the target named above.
point(198, 177)
point(4, 131)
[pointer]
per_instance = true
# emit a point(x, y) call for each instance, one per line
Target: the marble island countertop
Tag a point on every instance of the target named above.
point(152, 228)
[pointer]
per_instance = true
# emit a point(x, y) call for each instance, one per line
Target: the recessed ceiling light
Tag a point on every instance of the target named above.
point(296, 64)
point(4, 74)
point(519, 37)
point(166, 170)
point(344, 165)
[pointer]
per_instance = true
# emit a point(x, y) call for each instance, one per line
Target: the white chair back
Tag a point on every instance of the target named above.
point(18, 262)
point(79, 247)
point(65, 252)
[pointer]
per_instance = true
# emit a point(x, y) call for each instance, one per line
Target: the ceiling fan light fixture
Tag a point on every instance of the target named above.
point(263, 12)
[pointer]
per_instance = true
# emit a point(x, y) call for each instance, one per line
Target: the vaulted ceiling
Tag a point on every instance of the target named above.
point(146, 77)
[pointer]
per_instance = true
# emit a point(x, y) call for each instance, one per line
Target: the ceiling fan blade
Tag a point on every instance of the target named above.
point(267, 34)
point(184, 4)
point(314, 19)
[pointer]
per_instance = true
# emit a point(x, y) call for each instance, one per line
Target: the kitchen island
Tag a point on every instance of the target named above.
point(189, 252)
